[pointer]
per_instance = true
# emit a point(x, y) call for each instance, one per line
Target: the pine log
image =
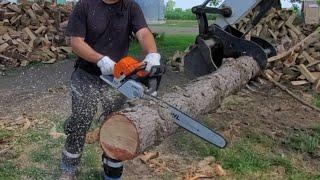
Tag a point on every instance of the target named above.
point(127, 133)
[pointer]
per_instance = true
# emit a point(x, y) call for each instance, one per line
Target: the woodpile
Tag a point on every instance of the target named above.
point(277, 27)
point(300, 64)
point(32, 32)
point(298, 46)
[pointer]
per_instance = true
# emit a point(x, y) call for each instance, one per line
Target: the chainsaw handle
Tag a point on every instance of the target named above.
point(142, 66)
point(152, 85)
point(154, 78)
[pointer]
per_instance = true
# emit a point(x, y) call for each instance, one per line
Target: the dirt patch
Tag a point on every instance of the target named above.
point(39, 89)
point(45, 89)
point(271, 112)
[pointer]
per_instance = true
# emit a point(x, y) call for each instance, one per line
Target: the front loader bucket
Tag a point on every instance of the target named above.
point(203, 58)
point(207, 54)
point(266, 46)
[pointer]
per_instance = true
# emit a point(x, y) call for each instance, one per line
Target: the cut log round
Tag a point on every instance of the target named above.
point(120, 137)
point(130, 131)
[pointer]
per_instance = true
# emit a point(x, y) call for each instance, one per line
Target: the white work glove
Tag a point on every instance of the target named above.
point(152, 59)
point(106, 65)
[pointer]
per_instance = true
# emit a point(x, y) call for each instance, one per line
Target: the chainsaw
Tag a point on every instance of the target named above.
point(131, 80)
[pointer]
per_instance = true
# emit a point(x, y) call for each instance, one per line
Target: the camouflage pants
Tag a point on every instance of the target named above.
point(87, 91)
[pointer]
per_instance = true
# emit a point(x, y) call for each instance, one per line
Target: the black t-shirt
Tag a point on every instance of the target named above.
point(105, 27)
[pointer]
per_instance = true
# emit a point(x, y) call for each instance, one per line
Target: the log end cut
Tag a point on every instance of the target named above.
point(119, 138)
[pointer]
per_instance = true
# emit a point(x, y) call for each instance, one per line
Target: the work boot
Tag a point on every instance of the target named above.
point(69, 165)
point(67, 176)
point(112, 168)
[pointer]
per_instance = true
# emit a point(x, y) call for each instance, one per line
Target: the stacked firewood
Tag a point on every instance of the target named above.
point(300, 65)
point(32, 31)
point(277, 27)
point(298, 60)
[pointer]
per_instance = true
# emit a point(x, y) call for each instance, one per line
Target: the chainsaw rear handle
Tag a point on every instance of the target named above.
point(157, 71)
point(152, 85)
point(154, 79)
point(141, 67)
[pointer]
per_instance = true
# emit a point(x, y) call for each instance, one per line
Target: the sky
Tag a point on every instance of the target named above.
point(187, 4)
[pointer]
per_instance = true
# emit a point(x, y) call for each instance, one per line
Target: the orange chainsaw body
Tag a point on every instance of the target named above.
point(127, 66)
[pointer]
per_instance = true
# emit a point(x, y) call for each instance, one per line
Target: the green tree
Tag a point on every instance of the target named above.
point(170, 5)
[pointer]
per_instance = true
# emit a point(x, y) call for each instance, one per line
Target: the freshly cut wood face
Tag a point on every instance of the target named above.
point(119, 138)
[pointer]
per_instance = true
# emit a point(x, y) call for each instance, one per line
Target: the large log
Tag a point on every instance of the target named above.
point(129, 132)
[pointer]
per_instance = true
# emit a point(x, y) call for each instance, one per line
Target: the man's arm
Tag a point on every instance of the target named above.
point(146, 40)
point(77, 30)
point(144, 36)
point(83, 50)
point(148, 44)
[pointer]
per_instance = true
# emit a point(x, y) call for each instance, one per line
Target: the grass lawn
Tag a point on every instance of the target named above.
point(178, 23)
point(176, 27)
point(252, 157)
point(181, 23)
point(167, 45)
point(255, 156)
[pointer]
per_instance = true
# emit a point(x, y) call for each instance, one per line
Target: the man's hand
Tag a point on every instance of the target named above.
point(152, 59)
point(106, 65)
point(148, 45)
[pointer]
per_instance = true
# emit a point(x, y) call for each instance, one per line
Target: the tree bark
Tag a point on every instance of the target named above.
point(130, 131)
